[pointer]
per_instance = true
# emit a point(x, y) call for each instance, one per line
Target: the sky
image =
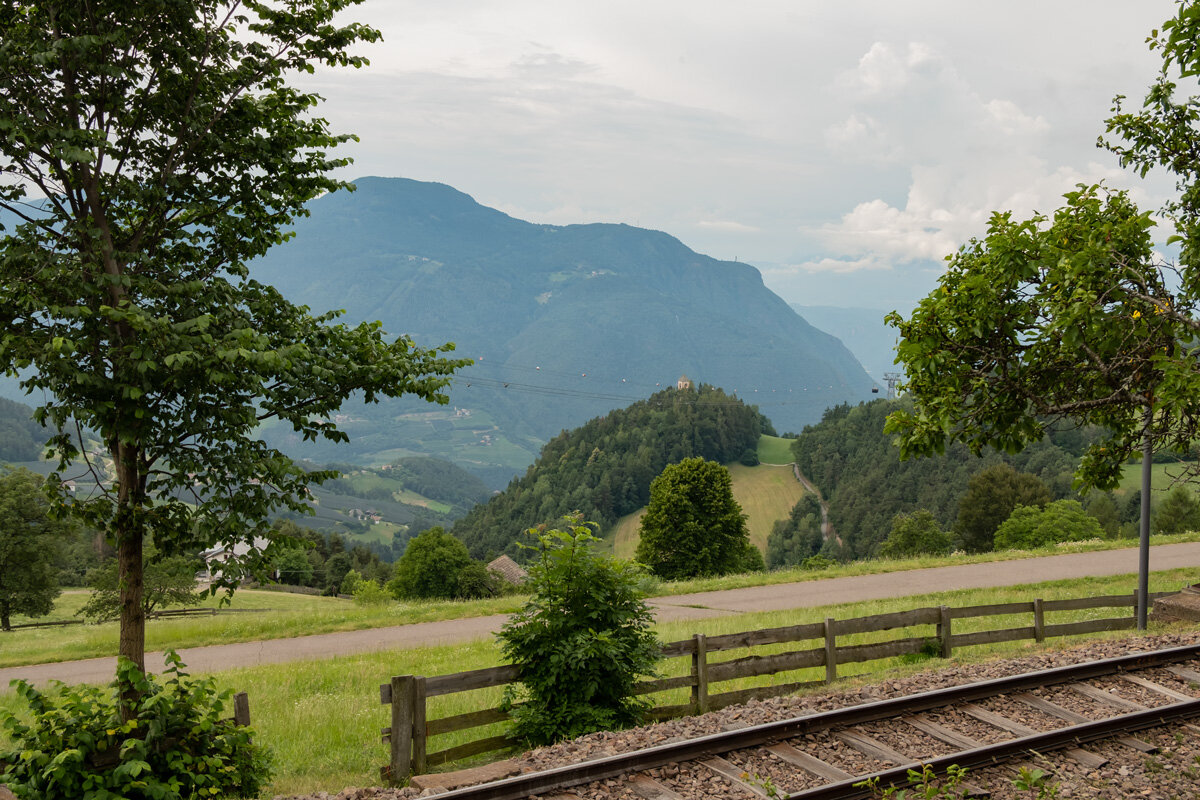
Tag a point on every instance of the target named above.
point(844, 148)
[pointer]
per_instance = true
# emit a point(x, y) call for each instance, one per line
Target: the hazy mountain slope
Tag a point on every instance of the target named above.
point(863, 332)
point(577, 320)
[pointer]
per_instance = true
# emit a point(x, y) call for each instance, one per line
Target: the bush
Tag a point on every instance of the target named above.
point(370, 593)
point(351, 581)
point(1031, 527)
point(915, 534)
point(436, 565)
point(817, 563)
point(749, 458)
point(177, 746)
point(581, 642)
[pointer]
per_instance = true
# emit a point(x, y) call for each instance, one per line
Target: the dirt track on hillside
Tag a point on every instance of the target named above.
point(678, 607)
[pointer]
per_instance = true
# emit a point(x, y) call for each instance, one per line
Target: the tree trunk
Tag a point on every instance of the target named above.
point(5, 624)
point(129, 534)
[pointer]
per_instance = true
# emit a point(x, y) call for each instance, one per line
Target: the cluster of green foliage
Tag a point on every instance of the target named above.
point(858, 469)
point(178, 745)
point(604, 468)
point(436, 565)
point(30, 542)
point(797, 538)
point(178, 155)
point(915, 534)
point(1072, 316)
point(581, 642)
point(1178, 512)
point(21, 438)
point(168, 581)
point(321, 560)
point(693, 528)
point(1030, 527)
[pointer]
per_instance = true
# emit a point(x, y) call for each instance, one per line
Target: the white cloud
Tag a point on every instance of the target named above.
point(1012, 120)
point(727, 225)
point(838, 266)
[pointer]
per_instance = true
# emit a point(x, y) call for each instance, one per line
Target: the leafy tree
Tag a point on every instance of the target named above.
point(1031, 527)
point(991, 496)
point(1070, 316)
point(437, 565)
point(1178, 512)
point(293, 567)
point(798, 537)
point(1101, 507)
point(693, 527)
point(174, 154)
point(166, 581)
point(581, 643)
point(1047, 319)
point(915, 534)
point(29, 543)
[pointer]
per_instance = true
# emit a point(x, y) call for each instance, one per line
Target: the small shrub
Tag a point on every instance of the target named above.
point(177, 746)
point(817, 563)
point(370, 593)
point(351, 581)
point(581, 642)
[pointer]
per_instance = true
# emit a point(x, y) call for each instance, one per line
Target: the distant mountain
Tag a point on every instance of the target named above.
point(863, 332)
point(565, 323)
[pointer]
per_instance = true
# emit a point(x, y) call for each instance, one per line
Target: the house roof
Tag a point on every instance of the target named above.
point(508, 569)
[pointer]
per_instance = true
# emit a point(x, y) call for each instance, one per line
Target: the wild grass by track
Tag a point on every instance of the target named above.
point(322, 718)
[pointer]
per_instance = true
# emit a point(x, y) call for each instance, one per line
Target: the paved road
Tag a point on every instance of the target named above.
point(679, 607)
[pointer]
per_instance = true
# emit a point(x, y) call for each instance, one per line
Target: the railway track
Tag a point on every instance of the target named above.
point(830, 754)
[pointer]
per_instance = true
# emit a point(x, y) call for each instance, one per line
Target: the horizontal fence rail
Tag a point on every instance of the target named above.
point(408, 695)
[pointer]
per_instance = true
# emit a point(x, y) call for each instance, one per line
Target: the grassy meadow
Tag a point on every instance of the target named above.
point(321, 719)
point(766, 494)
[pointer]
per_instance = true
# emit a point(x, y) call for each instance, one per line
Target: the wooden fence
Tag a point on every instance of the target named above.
point(166, 614)
point(407, 695)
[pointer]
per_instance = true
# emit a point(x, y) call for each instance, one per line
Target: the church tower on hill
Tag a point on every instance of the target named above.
point(683, 383)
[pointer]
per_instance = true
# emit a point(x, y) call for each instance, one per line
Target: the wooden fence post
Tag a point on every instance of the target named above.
point(830, 651)
point(241, 709)
point(402, 726)
point(943, 632)
point(420, 734)
point(1039, 621)
point(700, 673)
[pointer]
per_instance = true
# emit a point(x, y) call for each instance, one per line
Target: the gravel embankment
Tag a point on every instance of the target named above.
point(1172, 773)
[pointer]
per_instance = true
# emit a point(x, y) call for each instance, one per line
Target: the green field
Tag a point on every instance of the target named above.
point(1162, 478)
point(321, 719)
point(775, 450)
point(765, 493)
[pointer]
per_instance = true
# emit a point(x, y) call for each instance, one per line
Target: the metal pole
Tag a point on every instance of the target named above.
point(1143, 590)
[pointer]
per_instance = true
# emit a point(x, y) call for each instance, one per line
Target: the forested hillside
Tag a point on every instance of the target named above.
point(858, 470)
point(21, 438)
point(604, 468)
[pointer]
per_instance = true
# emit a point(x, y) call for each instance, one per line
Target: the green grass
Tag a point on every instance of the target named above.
point(1162, 478)
point(299, 615)
point(775, 450)
point(294, 615)
point(765, 493)
point(321, 719)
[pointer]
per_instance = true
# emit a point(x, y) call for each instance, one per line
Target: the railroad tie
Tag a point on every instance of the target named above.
point(1055, 710)
point(643, 785)
point(809, 763)
point(1083, 757)
point(733, 773)
point(955, 739)
point(873, 748)
point(1185, 673)
point(1087, 690)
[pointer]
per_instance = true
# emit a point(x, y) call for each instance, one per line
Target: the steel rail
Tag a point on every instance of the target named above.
point(534, 783)
point(990, 755)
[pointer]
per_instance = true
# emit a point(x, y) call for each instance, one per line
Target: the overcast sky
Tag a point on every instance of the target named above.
point(843, 147)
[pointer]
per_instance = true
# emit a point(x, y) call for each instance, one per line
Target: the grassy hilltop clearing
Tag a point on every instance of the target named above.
point(766, 494)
